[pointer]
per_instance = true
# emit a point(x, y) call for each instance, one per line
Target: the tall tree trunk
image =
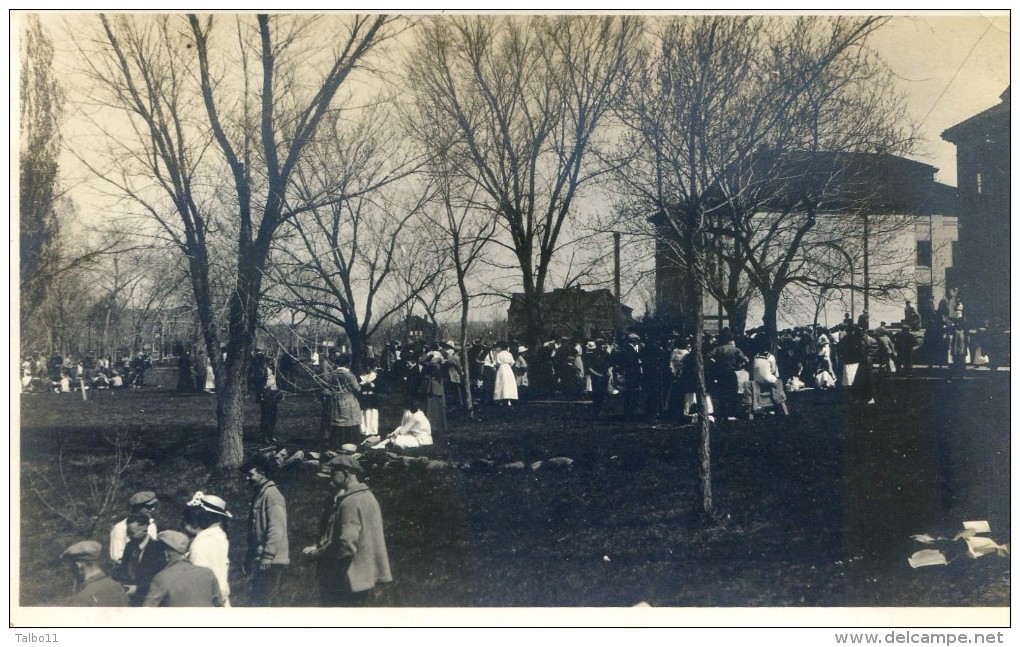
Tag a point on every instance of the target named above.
point(231, 386)
point(106, 331)
point(696, 298)
point(232, 379)
point(533, 326)
point(465, 361)
point(198, 271)
point(770, 318)
point(736, 315)
point(357, 343)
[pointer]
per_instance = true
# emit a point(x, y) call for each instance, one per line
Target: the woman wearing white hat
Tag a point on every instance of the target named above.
point(203, 517)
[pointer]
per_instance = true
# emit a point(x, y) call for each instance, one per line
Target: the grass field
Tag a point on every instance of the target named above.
point(814, 510)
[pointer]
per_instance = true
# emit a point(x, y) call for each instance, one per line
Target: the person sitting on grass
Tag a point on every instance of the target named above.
point(765, 375)
point(100, 381)
point(414, 430)
point(63, 385)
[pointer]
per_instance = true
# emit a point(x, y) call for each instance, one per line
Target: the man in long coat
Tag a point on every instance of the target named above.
point(351, 548)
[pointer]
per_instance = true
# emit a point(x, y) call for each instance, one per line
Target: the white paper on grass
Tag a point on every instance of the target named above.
point(977, 526)
point(928, 557)
point(978, 546)
point(924, 539)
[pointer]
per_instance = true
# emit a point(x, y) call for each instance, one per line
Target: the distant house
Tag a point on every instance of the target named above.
point(417, 328)
point(879, 186)
point(573, 311)
point(982, 176)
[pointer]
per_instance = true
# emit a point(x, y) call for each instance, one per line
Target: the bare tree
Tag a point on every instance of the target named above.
point(681, 108)
point(344, 261)
point(721, 96)
point(838, 116)
point(228, 85)
point(343, 264)
point(525, 97)
point(466, 232)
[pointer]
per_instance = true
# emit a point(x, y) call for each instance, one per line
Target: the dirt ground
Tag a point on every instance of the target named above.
point(812, 510)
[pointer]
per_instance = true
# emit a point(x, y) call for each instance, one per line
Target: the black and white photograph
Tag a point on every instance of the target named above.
point(466, 318)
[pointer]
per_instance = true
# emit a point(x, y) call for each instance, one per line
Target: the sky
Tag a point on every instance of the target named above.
point(950, 68)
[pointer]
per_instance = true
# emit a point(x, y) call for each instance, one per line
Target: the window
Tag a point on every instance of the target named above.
point(923, 253)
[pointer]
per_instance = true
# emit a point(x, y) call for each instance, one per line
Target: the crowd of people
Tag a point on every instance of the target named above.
point(66, 373)
point(648, 375)
point(157, 567)
point(641, 375)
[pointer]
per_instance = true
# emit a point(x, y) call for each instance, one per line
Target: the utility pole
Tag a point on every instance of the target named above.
point(867, 279)
point(618, 315)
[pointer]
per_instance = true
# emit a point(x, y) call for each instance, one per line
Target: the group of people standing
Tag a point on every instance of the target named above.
point(195, 374)
point(190, 567)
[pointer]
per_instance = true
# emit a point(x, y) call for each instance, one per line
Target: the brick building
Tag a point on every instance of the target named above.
point(573, 311)
point(982, 177)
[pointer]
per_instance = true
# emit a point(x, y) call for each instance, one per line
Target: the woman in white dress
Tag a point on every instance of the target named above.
point(506, 382)
point(521, 373)
point(210, 378)
point(414, 431)
point(204, 516)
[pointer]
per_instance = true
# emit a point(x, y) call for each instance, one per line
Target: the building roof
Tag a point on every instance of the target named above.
point(574, 297)
point(879, 183)
point(873, 183)
point(995, 117)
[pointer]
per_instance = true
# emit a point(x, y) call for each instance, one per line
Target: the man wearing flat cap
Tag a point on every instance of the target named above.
point(140, 502)
point(351, 549)
point(94, 587)
point(181, 583)
point(268, 548)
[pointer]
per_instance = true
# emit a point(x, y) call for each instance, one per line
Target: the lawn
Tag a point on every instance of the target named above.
point(814, 510)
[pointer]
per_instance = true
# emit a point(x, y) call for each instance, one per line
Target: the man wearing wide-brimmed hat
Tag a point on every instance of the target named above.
point(351, 549)
point(94, 588)
point(181, 583)
point(144, 502)
point(204, 516)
